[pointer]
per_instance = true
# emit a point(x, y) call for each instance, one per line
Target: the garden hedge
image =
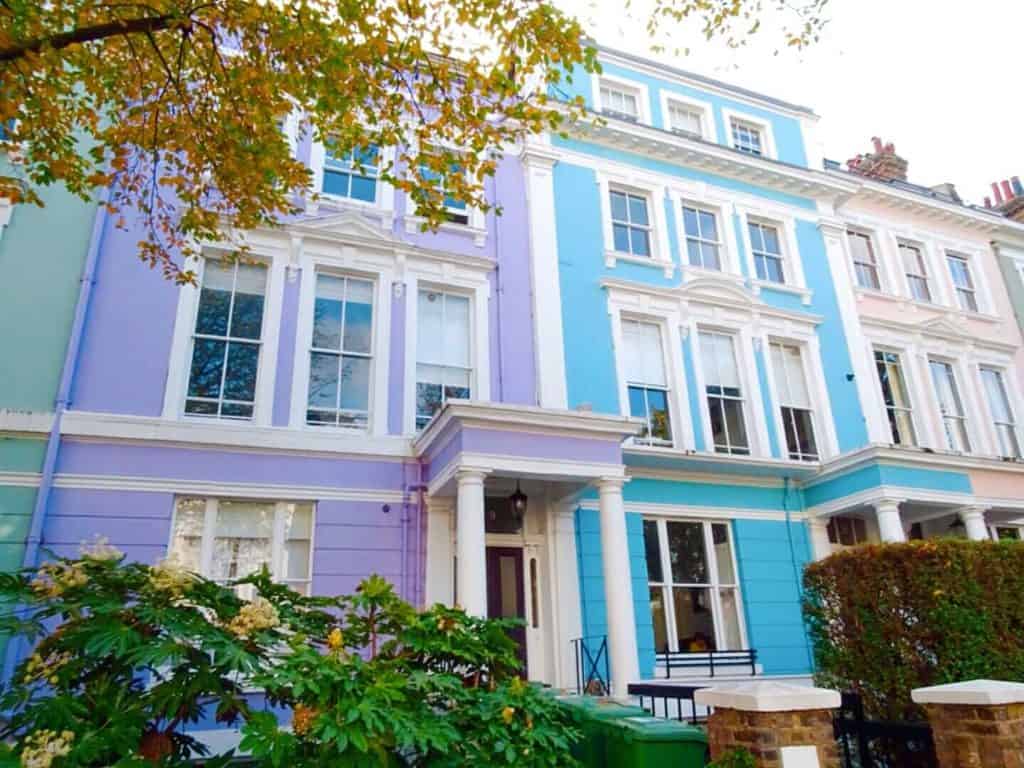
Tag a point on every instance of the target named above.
point(885, 619)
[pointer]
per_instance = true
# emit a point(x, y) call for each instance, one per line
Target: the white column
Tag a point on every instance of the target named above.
point(820, 545)
point(549, 347)
point(890, 526)
point(974, 521)
point(470, 549)
point(618, 587)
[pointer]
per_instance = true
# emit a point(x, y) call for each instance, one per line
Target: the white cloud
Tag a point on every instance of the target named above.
point(936, 77)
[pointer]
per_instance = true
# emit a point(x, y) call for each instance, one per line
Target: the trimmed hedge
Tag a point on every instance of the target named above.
point(888, 618)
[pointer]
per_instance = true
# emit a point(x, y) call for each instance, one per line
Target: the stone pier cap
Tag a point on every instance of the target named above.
point(768, 697)
point(972, 693)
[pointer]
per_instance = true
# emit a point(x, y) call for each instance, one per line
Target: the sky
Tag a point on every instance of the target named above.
point(935, 77)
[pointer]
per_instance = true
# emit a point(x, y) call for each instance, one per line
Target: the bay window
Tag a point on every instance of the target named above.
point(954, 421)
point(894, 395)
point(724, 393)
point(1001, 411)
point(341, 352)
point(226, 539)
point(794, 401)
point(647, 387)
point(694, 589)
point(443, 368)
point(226, 340)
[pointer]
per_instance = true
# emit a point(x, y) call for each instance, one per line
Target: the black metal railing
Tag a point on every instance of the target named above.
point(650, 694)
point(867, 743)
point(592, 669)
point(711, 659)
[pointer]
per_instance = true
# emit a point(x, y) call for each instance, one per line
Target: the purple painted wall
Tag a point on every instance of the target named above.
point(126, 342)
point(396, 363)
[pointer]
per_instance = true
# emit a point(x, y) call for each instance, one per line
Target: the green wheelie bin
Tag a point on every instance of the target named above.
point(652, 742)
point(595, 717)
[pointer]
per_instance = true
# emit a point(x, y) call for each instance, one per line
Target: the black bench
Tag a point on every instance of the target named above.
point(710, 659)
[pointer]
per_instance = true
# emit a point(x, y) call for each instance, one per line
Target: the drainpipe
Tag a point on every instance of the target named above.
point(64, 392)
point(497, 298)
point(411, 593)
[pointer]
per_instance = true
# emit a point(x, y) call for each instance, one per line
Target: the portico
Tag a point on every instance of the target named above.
point(496, 553)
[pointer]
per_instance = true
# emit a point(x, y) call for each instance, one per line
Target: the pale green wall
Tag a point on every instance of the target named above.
point(42, 251)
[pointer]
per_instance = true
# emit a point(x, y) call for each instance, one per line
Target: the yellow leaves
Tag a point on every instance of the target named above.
point(508, 714)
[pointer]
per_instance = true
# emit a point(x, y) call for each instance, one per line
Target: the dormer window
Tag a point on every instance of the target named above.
point(685, 120)
point(620, 101)
point(747, 137)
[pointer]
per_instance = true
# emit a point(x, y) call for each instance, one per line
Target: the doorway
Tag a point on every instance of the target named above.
point(505, 593)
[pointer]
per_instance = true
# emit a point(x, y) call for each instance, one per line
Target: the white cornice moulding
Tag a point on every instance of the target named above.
point(723, 514)
point(26, 421)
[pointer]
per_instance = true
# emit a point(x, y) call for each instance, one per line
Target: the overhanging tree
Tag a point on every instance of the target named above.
point(180, 102)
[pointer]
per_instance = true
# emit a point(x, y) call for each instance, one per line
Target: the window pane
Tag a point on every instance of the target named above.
point(186, 541)
point(620, 236)
point(214, 305)
point(996, 394)
point(690, 219)
point(242, 543)
point(652, 550)
point(618, 200)
point(710, 256)
point(207, 368)
point(247, 315)
point(456, 330)
point(735, 424)
point(695, 625)
point(717, 414)
point(644, 361)
point(364, 188)
point(430, 331)
point(708, 229)
point(686, 553)
point(658, 617)
point(240, 378)
point(323, 381)
point(355, 383)
point(730, 620)
point(327, 322)
point(640, 242)
point(694, 253)
point(637, 210)
point(657, 404)
point(723, 553)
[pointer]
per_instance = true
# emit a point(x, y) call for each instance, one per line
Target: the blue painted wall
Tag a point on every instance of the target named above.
point(771, 563)
point(592, 606)
point(875, 475)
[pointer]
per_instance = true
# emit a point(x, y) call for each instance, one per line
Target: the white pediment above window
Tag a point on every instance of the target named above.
point(720, 291)
point(344, 224)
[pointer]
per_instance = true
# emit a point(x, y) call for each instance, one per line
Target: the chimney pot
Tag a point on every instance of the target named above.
point(988, 201)
point(1018, 188)
point(878, 144)
point(997, 194)
point(1007, 192)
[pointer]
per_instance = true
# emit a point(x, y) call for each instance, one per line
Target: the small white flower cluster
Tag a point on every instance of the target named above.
point(39, 668)
point(254, 616)
point(171, 576)
point(55, 578)
point(43, 747)
point(100, 550)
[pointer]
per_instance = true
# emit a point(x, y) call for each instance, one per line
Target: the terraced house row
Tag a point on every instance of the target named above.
point(689, 357)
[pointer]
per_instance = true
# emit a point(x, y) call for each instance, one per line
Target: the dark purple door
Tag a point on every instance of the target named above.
point(505, 591)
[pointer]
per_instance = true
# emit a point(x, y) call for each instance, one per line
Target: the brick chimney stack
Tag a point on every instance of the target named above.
point(883, 163)
point(1009, 198)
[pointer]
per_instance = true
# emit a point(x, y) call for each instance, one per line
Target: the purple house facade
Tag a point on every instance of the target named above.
point(359, 393)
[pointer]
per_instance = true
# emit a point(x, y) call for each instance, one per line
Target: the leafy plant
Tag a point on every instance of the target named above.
point(739, 757)
point(127, 655)
point(886, 619)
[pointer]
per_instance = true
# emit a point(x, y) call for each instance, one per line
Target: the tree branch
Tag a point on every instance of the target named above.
point(87, 35)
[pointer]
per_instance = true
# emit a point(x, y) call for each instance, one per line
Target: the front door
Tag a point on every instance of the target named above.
point(505, 591)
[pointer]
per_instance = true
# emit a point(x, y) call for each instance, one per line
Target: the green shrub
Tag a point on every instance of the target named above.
point(735, 758)
point(127, 655)
point(886, 619)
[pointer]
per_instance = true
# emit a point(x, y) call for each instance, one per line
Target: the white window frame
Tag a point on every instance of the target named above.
point(714, 586)
point(708, 131)
point(753, 414)
point(965, 419)
point(671, 396)
point(179, 365)
point(724, 211)
point(384, 204)
point(923, 255)
point(277, 540)
point(377, 423)
point(638, 90)
point(768, 149)
point(476, 225)
point(722, 244)
point(478, 293)
point(661, 256)
point(974, 273)
point(813, 381)
point(874, 243)
point(792, 267)
point(1014, 402)
point(906, 360)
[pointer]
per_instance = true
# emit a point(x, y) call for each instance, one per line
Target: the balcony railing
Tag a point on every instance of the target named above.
point(711, 660)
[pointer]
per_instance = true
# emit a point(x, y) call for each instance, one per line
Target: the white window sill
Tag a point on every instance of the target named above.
point(611, 258)
point(804, 293)
point(933, 306)
point(413, 226)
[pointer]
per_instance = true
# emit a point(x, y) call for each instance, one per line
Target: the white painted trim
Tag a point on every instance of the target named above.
point(655, 194)
point(548, 336)
point(439, 584)
point(382, 208)
point(687, 511)
point(525, 467)
point(888, 493)
point(6, 212)
point(708, 130)
point(109, 427)
point(25, 421)
point(20, 479)
point(764, 126)
point(638, 89)
point(768, 697)
point(814, 380)
point(724, 212)
point(255, 490)
point(795, 282)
